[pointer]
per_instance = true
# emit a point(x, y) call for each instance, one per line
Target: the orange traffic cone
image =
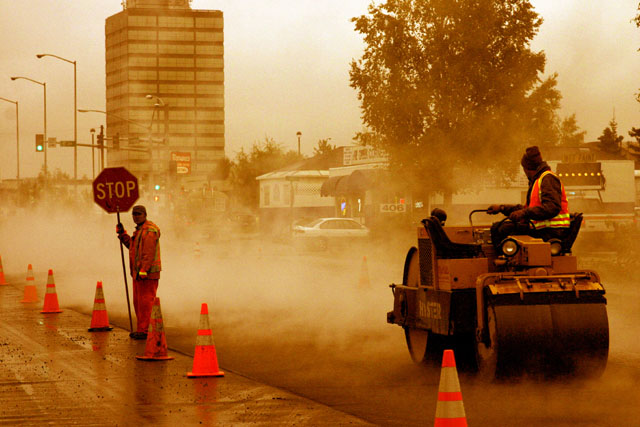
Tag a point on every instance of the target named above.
point(100, 318)
point(364, 275)
point(205, 361)
point(449, 409)
point(156, 348)
point(51, 297)
point(2, 280)
point(30, 292)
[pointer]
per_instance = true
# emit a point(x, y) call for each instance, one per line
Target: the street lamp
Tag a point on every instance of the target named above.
point(17, 137)
point(75, 115)
point(299, 134)
point(147, 127)
point(44, 86)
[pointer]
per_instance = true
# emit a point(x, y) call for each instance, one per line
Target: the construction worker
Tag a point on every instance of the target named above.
point(546, 214)
point(145, 266)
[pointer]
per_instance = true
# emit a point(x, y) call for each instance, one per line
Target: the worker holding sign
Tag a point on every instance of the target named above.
point(145, 266)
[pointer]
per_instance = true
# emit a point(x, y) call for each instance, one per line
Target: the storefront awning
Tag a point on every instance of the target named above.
point(356, 183)
point(329, 186)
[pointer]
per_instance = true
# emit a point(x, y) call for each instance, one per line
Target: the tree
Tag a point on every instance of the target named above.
point(570, 133)
point(450, 85)
point(323, 147)
point(264, 157)
point(610, 141)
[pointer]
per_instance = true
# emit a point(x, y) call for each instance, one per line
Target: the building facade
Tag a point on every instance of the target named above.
point(165, 91)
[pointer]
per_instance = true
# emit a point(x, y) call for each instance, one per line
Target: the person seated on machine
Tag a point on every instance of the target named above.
point(546, 214)
point(440, 215)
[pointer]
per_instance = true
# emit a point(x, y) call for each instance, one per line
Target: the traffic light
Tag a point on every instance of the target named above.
point(116, 141)
point(157, 186)
point(100, 140)
point(39, 142)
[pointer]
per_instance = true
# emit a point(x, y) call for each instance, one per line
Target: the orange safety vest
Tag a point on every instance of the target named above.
point(144, 252)
point(562, 220)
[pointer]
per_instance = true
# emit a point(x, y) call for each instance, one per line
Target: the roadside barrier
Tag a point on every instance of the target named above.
point(205, 360)
point(449, 409)
point(30, 292)
point(2, 279)
point(99, 318)
point(156, 348)
point(364, 282)
point(51, 297)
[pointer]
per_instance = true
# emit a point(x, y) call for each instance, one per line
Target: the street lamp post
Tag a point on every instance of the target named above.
point(17, 138)
point(93, 156)
point(44, 86)
point(159, 104)
point(75, 115)
point(299, 134)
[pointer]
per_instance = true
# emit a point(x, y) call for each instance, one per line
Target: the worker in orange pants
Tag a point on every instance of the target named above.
point(145, 266)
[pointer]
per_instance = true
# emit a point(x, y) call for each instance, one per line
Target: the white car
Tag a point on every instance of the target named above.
point(325, 232)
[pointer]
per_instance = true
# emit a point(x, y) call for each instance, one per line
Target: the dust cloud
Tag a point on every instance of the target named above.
point(307, 315)
point(243, 279)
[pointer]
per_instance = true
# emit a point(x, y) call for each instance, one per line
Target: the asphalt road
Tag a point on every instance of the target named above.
point(305, 323)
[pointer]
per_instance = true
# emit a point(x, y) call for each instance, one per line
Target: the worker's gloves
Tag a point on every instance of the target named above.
point(518, 216)
point(142, 275)
point(494, 209)
point(119, 228)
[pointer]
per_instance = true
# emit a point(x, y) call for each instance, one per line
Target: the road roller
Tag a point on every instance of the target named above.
point(520, 307)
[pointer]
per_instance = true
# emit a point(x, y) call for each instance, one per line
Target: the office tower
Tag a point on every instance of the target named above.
point(165, 91)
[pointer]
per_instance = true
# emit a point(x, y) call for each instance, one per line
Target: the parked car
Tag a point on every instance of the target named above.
point(323, 233)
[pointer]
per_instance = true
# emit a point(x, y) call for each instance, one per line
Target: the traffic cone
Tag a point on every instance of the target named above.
point(449, 409)
point(51, 297)
point(156, 348)
point(364, 275)
point(2, 280)
point(205, 361)
point(99, 318)
point(30, 292)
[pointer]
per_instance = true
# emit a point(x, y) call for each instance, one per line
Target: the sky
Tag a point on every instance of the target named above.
point(286, 70)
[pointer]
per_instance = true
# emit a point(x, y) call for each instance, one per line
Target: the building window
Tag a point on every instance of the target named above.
point(276, 193)
point(175, 21)
point(142, 21)
point(267, 195)
point(182, 49)
point(142, 35)
point(176, 62)
point(176, 75)
point(175, 35)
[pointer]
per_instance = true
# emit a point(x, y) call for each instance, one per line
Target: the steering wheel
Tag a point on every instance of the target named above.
point(530, 225)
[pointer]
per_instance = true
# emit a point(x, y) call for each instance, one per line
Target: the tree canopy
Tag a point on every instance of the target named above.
point(265, 156)
point(610, 141)
point(453, 84)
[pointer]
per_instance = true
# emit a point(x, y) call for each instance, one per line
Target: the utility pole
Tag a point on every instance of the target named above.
point(102, 147)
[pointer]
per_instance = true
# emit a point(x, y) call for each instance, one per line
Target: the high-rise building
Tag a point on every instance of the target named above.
point(165, 90)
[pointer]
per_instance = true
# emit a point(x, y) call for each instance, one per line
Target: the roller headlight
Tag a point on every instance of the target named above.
point(556, 247)
point(509, 247)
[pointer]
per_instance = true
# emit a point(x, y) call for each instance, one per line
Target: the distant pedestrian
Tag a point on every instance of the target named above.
point(145, 266)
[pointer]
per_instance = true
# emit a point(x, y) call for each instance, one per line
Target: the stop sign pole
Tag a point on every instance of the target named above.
point(116, 190)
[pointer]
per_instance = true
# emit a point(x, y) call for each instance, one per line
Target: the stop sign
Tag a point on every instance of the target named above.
point(115, 190)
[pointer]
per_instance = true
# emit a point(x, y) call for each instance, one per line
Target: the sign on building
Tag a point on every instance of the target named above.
point(363, 155)
point(182, 162)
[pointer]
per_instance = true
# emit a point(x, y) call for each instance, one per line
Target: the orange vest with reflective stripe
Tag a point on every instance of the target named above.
point(561, 220)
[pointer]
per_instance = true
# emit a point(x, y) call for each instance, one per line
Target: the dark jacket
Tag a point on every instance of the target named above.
point(551, 197)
